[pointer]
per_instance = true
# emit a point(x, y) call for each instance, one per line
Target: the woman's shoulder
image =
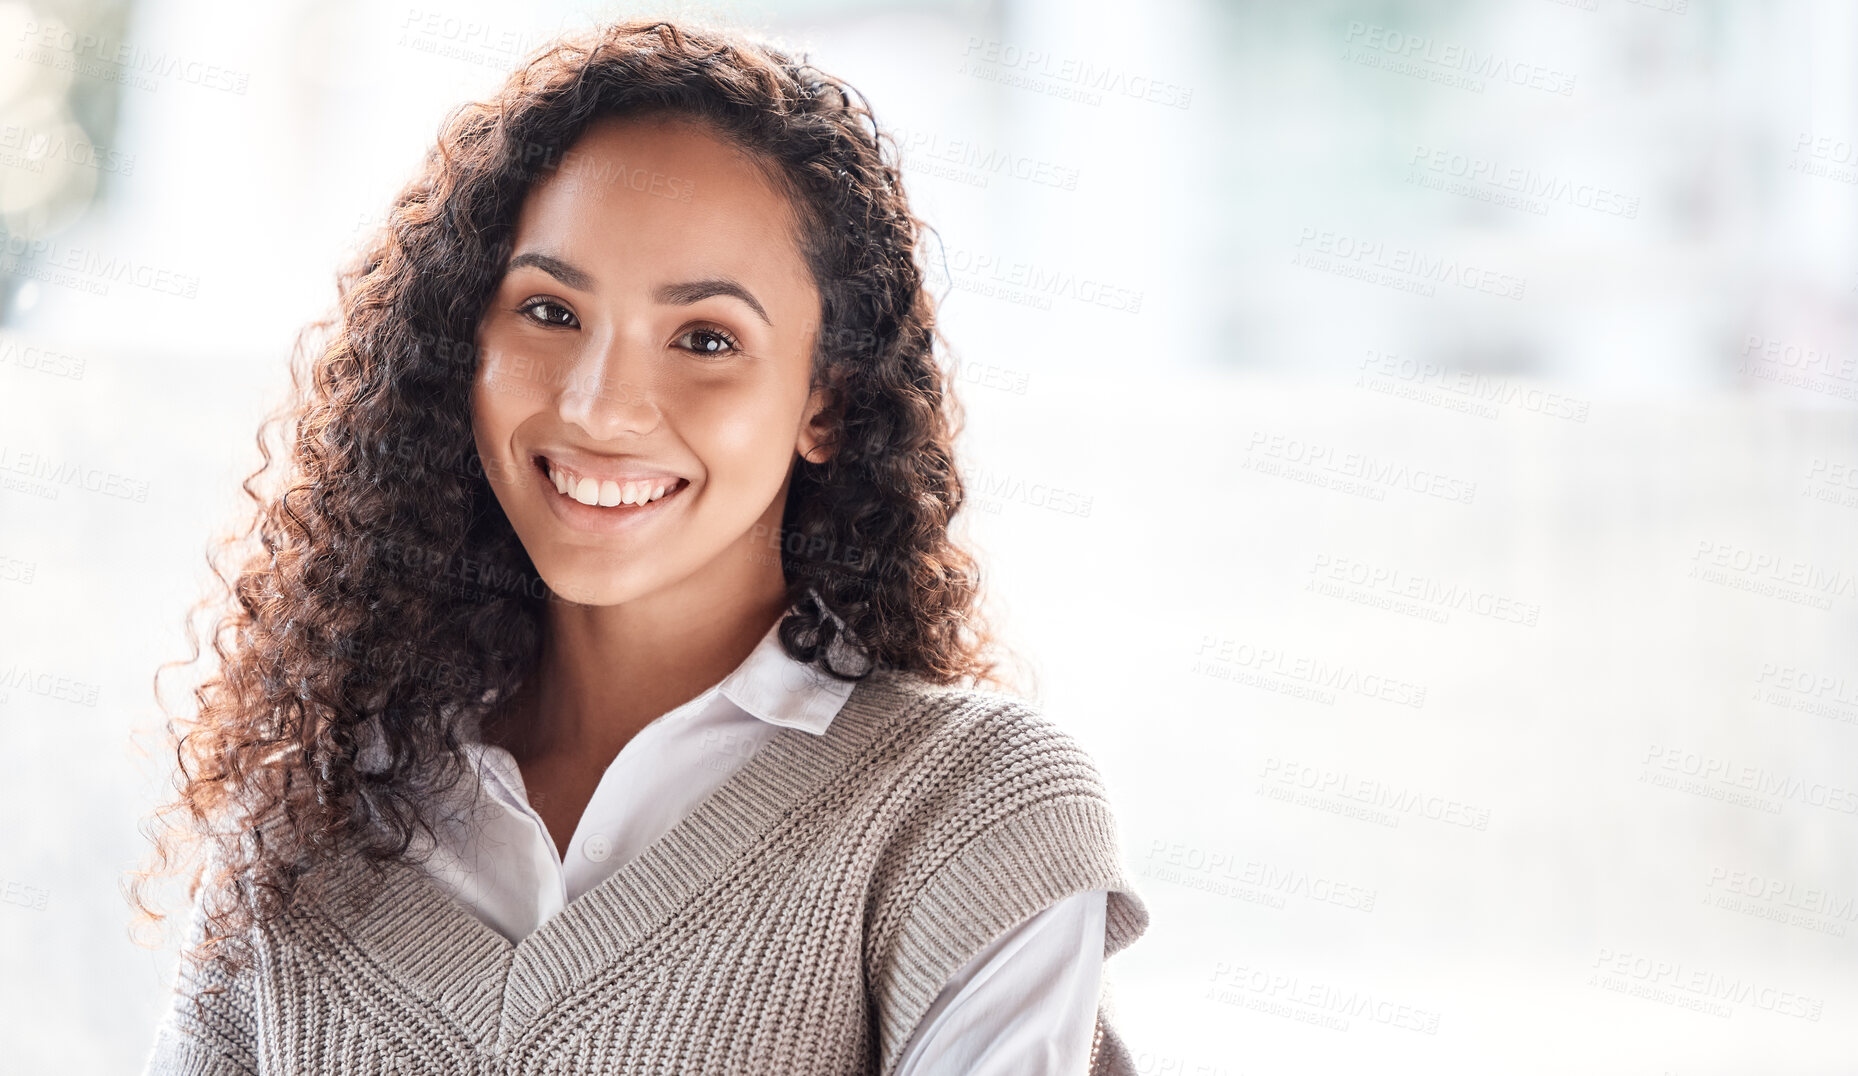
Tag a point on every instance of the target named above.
point(976, 751)
point(977, 716)
point(960, 701)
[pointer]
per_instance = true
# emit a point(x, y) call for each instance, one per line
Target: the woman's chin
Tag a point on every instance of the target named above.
point(599, 589)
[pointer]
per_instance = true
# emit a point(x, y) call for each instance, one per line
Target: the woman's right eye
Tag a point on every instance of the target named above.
point(529, 310)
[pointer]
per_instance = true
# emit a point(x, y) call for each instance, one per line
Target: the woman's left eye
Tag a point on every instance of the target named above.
point(564, 318)
point(710, 342)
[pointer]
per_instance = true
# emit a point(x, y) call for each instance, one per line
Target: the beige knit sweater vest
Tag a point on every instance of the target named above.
point(801, 920)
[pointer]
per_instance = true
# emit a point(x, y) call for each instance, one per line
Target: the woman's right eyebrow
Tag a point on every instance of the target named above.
point(578, 279)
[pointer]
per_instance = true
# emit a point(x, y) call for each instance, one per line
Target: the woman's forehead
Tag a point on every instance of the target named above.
point(652, 186)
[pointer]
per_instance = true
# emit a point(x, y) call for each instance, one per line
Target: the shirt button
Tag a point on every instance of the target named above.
point(597, 847)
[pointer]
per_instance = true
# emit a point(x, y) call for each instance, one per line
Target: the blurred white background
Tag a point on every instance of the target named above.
point(1414, 444)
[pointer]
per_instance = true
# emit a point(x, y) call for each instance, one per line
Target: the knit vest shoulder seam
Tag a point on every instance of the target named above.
point(1063, 839)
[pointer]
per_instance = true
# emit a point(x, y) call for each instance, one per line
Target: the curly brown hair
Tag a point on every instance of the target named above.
point(392, 601)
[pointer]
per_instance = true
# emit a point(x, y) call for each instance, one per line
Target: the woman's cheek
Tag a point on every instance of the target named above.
point(496, 410)
point(501, 378)
point(744, 445)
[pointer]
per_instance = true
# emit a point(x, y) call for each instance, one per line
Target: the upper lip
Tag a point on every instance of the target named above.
point(607, 469)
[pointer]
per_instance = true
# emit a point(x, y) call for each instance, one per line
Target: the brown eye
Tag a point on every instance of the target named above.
point(709, 342)
point(565, 318)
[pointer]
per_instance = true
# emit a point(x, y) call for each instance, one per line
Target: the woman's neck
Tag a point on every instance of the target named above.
point(594, 689)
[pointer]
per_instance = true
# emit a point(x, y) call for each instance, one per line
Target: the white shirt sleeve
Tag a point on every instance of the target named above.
point(1026, 1005)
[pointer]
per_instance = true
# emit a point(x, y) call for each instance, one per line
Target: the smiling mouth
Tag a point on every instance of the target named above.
point(607, 494)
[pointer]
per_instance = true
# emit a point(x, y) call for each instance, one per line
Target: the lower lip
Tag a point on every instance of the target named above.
point(618, 519)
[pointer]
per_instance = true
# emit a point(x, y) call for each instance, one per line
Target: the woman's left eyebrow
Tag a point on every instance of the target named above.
point(696, 291)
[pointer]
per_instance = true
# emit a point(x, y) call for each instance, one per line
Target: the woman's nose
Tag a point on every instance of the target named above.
point(612, 391)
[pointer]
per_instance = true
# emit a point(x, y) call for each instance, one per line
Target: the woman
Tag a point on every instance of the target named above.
point(609, 695)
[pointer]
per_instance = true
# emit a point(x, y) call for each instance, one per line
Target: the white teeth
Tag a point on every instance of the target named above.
point(605, 494)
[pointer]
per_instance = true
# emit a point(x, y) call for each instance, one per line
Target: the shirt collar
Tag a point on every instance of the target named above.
point(772, 686)
point(768, 685)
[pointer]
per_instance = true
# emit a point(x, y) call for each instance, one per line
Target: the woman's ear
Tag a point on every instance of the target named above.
point(815, 441)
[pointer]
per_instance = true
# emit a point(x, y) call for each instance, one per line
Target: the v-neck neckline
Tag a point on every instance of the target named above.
point(495, 762)
point(494, 987)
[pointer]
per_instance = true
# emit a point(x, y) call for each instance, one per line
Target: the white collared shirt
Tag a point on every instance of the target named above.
point(1026, 1004)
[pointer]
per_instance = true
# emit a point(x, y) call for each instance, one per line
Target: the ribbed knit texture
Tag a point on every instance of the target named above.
point(801, 920)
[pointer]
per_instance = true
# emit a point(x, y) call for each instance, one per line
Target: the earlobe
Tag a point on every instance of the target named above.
point(814, 450)
point(814, 446)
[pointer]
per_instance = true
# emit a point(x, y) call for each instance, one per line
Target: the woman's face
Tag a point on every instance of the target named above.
point(653, 333)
